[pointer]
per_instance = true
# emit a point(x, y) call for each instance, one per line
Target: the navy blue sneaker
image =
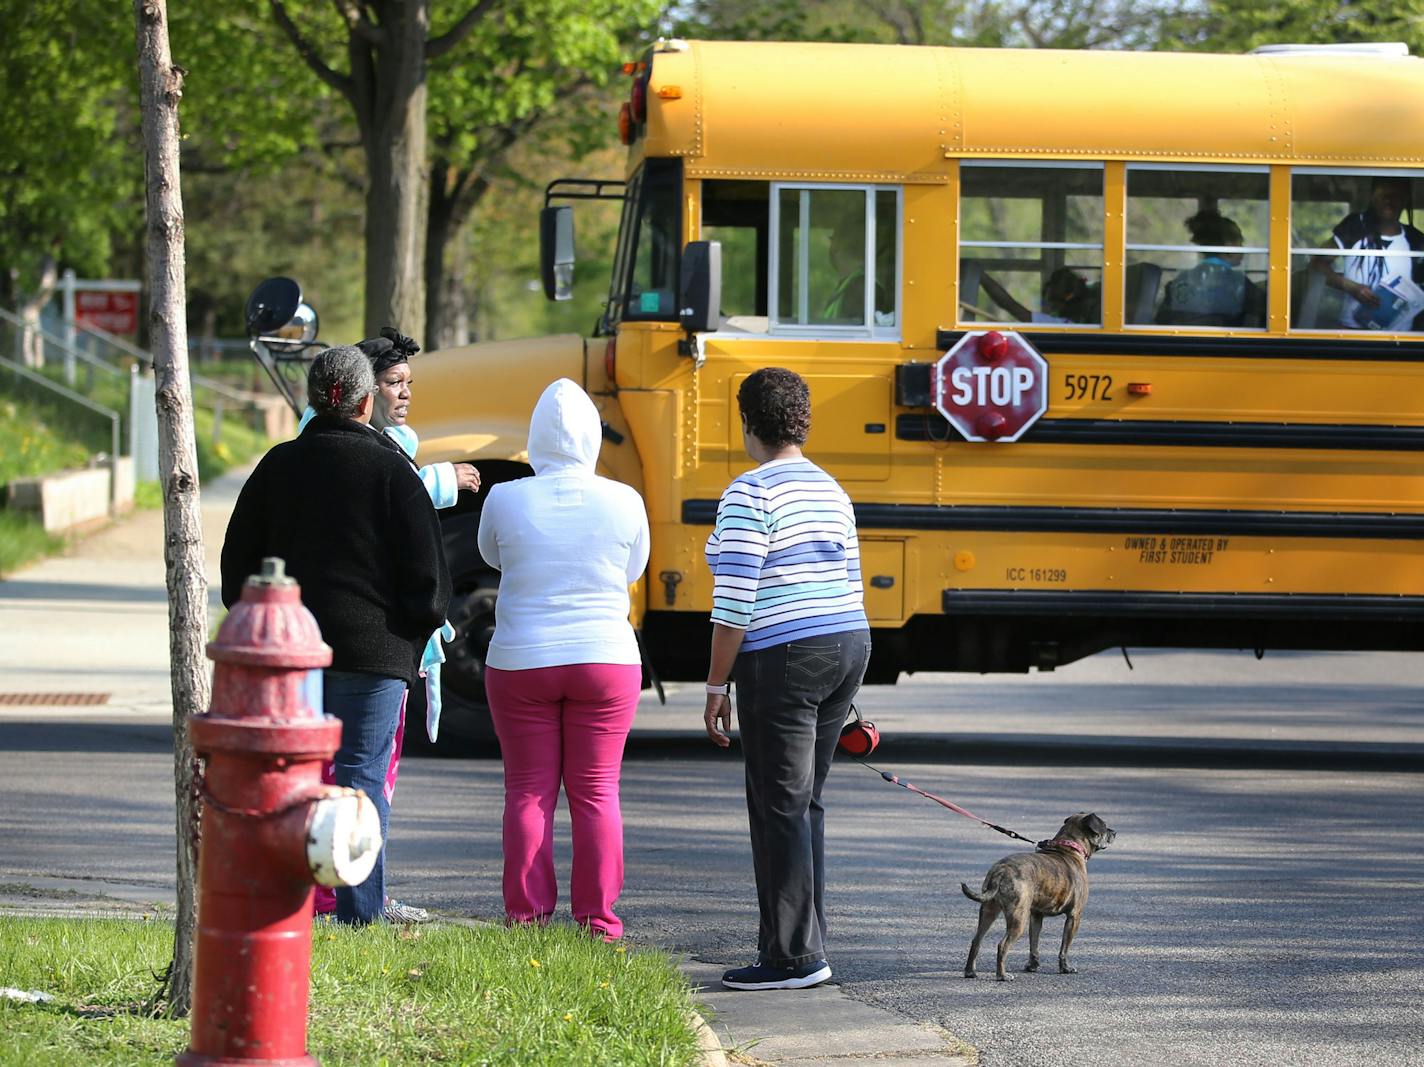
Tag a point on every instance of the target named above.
point(760, 976)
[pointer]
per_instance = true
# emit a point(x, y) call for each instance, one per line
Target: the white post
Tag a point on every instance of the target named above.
point(143, 425)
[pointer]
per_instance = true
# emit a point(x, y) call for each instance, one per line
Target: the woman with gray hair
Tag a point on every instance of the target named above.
point(342, 505)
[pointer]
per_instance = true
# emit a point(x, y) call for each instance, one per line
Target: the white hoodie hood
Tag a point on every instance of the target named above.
point(565, 430)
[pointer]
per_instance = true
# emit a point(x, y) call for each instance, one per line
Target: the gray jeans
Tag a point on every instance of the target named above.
point(792, 700)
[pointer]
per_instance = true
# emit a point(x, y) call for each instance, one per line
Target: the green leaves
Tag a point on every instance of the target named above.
point(68, 179)
point(1240, 25)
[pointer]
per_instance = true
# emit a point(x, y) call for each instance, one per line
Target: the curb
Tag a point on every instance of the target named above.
point(709, 1050)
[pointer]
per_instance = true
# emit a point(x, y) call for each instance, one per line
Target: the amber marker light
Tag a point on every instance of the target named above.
point(1139, 388)
point(670, 92)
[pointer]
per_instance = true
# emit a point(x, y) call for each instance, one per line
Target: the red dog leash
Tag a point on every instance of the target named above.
point(894, 780)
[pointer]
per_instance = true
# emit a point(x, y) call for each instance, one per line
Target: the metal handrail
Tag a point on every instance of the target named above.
point(59, 342)
point(127, 347)
point(146, 358)
point(79, 398)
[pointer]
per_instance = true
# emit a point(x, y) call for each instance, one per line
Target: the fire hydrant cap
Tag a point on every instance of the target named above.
point(269, 626)
point(344, 838)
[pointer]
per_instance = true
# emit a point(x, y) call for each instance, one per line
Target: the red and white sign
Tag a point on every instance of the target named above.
point(114, 312)
point(991, 386)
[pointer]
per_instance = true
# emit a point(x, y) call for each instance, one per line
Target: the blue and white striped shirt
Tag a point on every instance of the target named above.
point(785, 556)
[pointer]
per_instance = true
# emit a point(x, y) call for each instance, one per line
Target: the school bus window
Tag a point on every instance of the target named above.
point(652, 281)
point(737, 214)
point(1031, 243)
point(1197, 246)
point(1357, 256)
point(835, 259)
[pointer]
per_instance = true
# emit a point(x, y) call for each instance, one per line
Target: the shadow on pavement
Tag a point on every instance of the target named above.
point(1027, 750)
point(86, 737)
point(21, 589)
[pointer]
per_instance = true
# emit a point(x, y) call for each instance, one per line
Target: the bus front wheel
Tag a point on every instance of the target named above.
point(465, 713)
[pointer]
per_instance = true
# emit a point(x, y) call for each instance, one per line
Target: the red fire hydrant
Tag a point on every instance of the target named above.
point(271, 830)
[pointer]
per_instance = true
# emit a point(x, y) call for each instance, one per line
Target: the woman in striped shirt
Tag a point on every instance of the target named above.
point(789, 627)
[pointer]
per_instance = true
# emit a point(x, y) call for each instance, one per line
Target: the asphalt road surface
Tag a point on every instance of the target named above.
point(1265, 912)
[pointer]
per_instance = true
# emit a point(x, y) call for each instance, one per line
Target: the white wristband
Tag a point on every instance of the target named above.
point(719, 690)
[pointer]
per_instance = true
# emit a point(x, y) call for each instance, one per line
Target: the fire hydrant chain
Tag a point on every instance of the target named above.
point(201, 785)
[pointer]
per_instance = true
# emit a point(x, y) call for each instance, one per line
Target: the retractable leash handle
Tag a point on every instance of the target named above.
point(859, 737)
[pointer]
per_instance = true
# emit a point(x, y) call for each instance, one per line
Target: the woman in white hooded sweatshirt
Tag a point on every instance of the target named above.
point(563, 672)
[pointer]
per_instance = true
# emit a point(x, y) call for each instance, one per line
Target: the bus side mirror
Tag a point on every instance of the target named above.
point(556, 252)
point(700, 286)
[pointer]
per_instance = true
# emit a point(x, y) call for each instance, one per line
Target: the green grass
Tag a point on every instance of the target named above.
point(148, 495)
point(237, 444)
point(42, 434)
point(31, 443)
point(64, 435)
point(382, 995)
point(23, 539)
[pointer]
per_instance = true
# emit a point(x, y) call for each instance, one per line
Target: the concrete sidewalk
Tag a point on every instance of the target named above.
point(91, 626)
point(85, 639)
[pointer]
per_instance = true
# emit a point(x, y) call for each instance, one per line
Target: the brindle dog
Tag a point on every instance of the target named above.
point(1026, 886)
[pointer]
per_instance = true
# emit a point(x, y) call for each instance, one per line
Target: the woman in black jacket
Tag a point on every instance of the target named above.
point(343, 507)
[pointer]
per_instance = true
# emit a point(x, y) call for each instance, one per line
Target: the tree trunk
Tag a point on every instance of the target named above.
point(161, 88)
point(456, 304)
point(453, 200)
point(396, 194)
point(440, 214)
point(31, 307)
point(210, 335)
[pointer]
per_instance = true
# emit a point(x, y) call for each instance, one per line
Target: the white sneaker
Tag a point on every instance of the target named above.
point(403, 914)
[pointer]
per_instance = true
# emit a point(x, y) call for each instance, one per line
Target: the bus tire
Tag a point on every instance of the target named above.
point(464, 715)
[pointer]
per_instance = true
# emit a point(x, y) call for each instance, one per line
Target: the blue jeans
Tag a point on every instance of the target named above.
point(368, 706)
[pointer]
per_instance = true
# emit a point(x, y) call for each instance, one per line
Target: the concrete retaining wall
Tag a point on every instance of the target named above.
point(72, 500)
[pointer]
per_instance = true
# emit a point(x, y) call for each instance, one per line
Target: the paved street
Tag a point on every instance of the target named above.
point(1259, 906)
point(1243, 916)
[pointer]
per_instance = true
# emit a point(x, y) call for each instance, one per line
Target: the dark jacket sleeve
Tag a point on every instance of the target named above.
point(242, 549)
point(422, 578)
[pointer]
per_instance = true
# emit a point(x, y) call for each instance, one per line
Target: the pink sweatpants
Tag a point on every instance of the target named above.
point(564, 724)
point(325, 902)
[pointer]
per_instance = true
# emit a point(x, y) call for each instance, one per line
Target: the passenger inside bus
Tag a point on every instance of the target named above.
point(1215, 292)
point(1065, 299)
point(1381, 291)
point(847, 256)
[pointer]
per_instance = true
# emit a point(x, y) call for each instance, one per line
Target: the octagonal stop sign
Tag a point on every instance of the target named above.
point(991, 386)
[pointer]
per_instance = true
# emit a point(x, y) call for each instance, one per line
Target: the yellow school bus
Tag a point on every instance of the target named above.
point(1215, 257)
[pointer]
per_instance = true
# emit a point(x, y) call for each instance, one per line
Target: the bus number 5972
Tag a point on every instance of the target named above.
point(1088, 386)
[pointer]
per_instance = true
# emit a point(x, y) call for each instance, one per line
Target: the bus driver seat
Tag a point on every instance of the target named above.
point(1142, 283)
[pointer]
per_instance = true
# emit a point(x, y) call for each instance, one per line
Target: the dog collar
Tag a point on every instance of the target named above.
point(1063, 842)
